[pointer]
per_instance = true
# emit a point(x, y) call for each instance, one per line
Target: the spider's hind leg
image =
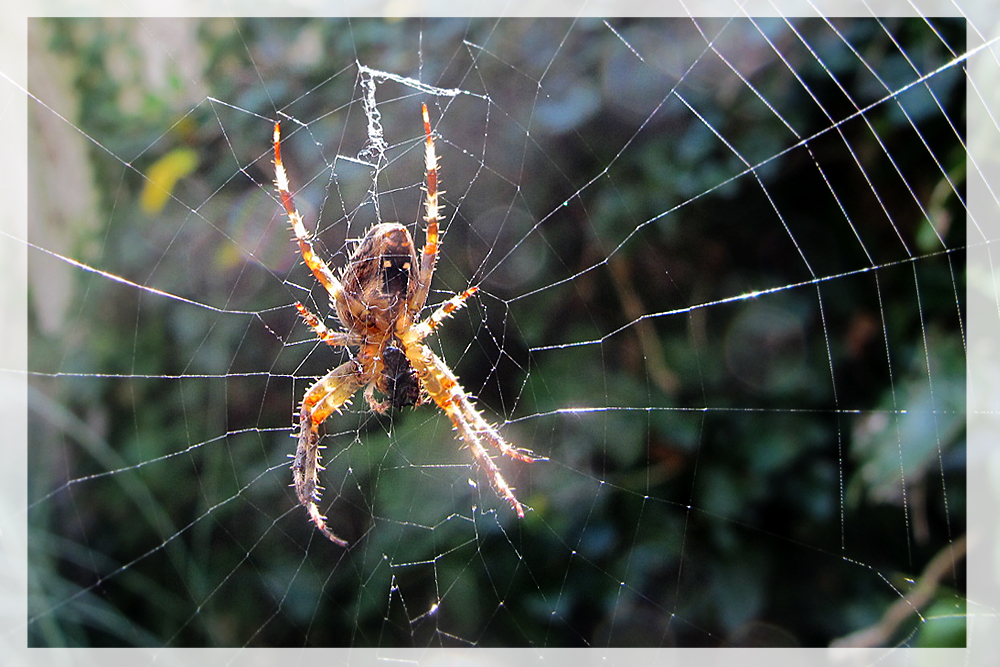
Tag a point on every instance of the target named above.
point(318, 267)
point(429, 254)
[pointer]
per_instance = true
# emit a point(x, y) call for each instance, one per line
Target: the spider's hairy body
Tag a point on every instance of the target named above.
point(378, 282)
point(401, 384)
point(378, 298)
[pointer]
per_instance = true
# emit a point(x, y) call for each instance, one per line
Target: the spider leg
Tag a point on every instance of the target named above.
point(381, 407)
point(420, 331)
point(327, 335)
point(329, 394)
point(443, 387)
point(471, 437)
point(485, 430)
point(429, 254)
point(318, 267)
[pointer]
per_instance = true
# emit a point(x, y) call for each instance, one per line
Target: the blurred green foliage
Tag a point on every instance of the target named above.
point(731, 472)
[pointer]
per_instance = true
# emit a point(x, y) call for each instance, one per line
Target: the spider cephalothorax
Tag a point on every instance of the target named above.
point(400, 383)
point(377, 299)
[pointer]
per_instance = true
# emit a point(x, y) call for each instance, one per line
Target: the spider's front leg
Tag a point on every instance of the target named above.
point(327, 395)
point(443, 387)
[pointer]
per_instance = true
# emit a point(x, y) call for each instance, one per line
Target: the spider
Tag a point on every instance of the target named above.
point(378, 298)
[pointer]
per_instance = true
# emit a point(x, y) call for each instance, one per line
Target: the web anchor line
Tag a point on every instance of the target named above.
point(372, 73)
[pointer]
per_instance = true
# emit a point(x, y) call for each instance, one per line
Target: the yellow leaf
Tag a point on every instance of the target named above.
point(163, 175)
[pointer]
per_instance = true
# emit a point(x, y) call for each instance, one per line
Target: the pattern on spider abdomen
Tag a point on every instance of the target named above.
point(396, 265)
point(399, 381)
point(379, 280)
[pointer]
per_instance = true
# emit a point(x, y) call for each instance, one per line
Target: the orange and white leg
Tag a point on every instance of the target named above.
point(443, 387)
point(420, 331)
point(428, 256)
point(326, 396)
point(318, 267)
point(471, 436)
point(327, 335)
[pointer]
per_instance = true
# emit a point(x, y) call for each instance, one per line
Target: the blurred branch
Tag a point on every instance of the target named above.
point(652, 350)
point(880, 633)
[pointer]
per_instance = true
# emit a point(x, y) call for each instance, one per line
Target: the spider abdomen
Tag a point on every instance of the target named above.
point(379, 279)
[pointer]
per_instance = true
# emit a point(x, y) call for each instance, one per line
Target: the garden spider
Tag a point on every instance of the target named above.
point(378, 297)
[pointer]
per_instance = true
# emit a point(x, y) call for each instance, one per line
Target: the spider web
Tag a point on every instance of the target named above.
point(723, 288)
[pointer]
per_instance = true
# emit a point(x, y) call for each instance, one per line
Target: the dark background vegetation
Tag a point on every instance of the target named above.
point(734, 494)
